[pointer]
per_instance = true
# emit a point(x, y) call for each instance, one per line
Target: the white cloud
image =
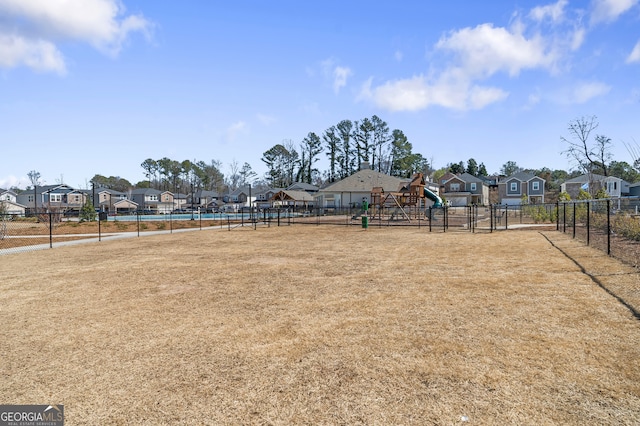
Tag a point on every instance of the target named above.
point(41, 24)
point(607, 11)
point(478, 53)
point(40, 55)
point(577, 38)
point(265, 119)
point(237, 128)
point(581, 93)
point(634, 56)
point(452, 90)
point(554, 12)
point(587, 91)
point(340, 76)
point(398, 55)
point(11, 181)
point(485, 50)
point(337, 75)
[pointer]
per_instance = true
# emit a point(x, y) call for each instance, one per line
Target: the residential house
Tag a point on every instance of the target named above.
point(513, 189)
point(353, 190)
point(592, 183)
point(203, 199)
point(238, 199)
point(59, 197)
point(106, 199)
point(263, 197)
point(153, 201)
point(181, 201)
point(634, 190)
point(464, 190)
point(9, 203)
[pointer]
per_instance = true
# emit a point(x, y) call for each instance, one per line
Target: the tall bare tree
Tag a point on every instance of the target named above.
point(634, 151)
point(591, 157)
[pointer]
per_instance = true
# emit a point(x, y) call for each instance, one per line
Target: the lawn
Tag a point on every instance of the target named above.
point(323, 325)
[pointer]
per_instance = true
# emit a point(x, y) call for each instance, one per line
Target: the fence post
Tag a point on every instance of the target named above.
point(430, 217)
point(557, 215)
point(491, 218)
point(574, 219)
point(588, 220)
point(608, 227)
point(170, 223)
point(506, 216)
point(138, 221)
point(50, 229)
point(445, 217)
point(99, 229)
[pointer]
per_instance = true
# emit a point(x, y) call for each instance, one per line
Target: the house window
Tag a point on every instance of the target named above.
point(153, 198)
point(473, 186)
point(455, 187)
point(514, 186)
point(615, 186)
point(77, 198)
point(30, 198)
point(535, 186)
point(55, 198)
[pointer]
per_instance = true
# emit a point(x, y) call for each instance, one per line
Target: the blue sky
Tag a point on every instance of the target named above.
point(97, 86)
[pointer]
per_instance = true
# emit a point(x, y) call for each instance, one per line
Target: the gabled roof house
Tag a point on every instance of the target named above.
point(593, 182)
point(513, 189)
point(60, 197)
point(464, 189)
point(9, 203)
point(153, 201)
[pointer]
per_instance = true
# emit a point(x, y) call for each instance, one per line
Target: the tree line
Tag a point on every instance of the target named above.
point(349, 144)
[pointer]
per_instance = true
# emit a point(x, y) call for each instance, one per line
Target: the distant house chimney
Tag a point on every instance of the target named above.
point(365, 165)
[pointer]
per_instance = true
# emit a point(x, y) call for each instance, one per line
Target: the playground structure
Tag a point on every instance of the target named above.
point(410, 201)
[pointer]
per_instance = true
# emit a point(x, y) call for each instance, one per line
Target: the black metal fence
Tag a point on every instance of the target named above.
point(610, 225)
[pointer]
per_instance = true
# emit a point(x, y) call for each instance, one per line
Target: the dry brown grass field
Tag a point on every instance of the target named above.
point(322, 325)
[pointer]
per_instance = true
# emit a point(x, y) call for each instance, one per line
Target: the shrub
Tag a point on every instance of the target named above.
point(627, 226)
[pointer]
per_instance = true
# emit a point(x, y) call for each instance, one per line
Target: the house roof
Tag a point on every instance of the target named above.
point(302, 186)
point(364, 181)
point(203, 193)
point(239, 191)
point(125, 202)
point(470, 178)
point(522, 177)
point(593, 177)
point(50, 188)
point(285, 194)
point(110, 191)
point(145, 191)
